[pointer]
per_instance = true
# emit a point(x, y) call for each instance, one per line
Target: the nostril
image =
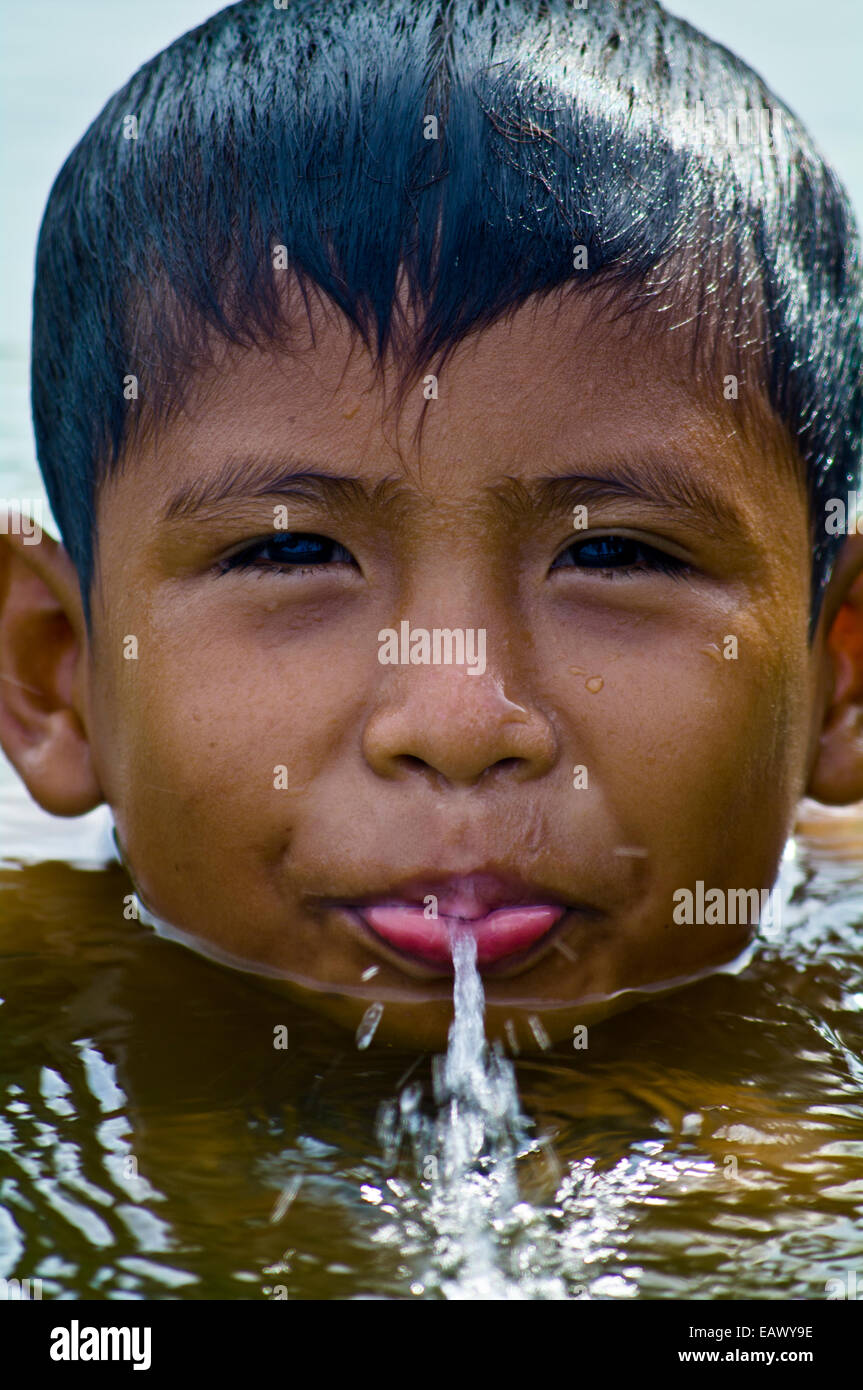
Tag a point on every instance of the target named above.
point(410, 761)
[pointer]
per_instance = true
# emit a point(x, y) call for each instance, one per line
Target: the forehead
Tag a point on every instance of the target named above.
point(555, 383)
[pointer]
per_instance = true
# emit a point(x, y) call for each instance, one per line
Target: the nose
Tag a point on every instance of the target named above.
point(442, 722)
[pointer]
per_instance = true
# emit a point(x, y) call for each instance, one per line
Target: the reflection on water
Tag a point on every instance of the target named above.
point(155, 1144)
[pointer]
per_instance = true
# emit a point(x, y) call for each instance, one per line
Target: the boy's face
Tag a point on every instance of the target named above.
point(688, 697)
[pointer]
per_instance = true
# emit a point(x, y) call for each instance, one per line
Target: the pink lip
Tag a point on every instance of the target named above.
point(504, 931)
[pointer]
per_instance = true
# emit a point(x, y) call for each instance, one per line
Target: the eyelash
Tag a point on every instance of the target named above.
point(245, 559)
point(650, 560)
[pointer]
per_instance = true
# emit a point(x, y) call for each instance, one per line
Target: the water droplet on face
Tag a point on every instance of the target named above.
point(509, 1029)
point(370, 973)
point(594, 684)
point(368, 1023)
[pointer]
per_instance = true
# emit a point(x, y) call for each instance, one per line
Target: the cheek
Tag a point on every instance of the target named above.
point(214, 744)
point(697, 772)
point(694, 754)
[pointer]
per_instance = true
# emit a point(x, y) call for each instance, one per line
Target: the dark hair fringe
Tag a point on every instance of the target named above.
point(557, 127)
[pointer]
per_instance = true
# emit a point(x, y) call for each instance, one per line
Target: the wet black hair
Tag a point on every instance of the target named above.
point(305, 125)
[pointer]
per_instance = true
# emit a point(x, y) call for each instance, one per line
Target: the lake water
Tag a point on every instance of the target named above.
point(152, 1141)
point(155, 1144)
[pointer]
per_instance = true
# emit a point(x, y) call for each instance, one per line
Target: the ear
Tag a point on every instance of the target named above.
point(837, 775)
point(43, 660)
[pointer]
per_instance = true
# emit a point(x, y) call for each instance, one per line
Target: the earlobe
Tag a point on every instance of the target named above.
point(42, 660)
point(837, 775)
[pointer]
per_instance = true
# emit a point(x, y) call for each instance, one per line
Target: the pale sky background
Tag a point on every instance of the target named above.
point(60, 60)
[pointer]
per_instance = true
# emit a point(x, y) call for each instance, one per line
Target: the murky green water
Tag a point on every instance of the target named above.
point(154, 1144)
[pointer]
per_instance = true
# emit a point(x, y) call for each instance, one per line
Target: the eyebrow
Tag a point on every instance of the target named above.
point(250, 480)
point(657, 482)
point(654, 481)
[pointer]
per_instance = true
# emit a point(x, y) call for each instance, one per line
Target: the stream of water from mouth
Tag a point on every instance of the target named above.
point(465, 1155)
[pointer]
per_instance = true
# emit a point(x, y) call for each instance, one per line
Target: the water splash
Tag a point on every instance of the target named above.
point(482, 1236)
point(368, 1025)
